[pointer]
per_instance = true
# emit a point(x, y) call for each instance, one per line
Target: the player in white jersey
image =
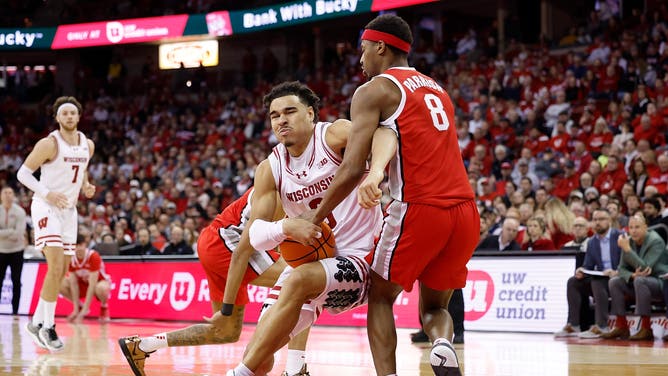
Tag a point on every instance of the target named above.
point(63, 158)
point(300, 169)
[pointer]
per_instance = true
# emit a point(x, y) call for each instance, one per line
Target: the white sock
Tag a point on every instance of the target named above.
point(38, 316)
point(49, 314)
point(242, 370)
point(154, 342)
point(440, 340)
point(296, 359)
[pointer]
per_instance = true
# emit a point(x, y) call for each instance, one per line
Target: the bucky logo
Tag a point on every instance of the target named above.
point(182, 290)
point(478, 294)
point(42, 223)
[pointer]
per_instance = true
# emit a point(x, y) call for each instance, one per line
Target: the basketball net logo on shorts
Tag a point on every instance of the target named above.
point(478, 294)
point(42, 223)
point(182, 290)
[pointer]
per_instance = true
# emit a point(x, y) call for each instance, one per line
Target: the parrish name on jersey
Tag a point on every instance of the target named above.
point(417, 81)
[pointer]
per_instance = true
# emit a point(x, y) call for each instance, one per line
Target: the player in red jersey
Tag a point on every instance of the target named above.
point(432, 226)
point(87, 278)
point(218, 247)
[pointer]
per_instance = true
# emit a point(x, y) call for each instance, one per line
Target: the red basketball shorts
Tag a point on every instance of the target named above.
point(215, 255)
point(426, 243)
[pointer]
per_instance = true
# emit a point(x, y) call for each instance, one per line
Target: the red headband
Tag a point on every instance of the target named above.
point(377, 36)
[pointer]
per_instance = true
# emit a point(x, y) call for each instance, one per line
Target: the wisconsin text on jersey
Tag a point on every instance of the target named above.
point(75, 160)
point(415, 82)
point(311, 190)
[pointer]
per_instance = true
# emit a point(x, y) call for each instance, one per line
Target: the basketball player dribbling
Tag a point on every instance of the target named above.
point(63, 158)
point(230, 265)
point(430, 188)
point(300, 170)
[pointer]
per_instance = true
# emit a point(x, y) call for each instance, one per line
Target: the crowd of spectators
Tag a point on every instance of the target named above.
point(547, 136)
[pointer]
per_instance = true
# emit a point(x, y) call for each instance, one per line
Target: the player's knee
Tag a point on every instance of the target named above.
point(296, 286)
point(55, 272)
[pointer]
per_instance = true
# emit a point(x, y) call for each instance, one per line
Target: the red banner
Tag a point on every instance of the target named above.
point(118, 32)
point(167, 290)
point(378, 5)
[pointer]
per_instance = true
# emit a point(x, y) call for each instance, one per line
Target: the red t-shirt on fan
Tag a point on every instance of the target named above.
point(428, 168)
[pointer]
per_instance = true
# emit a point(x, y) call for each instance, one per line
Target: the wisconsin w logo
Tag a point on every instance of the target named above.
point(42, 222)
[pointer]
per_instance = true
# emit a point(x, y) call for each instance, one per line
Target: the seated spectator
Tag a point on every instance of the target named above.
point(177, 245)
point(537, 238)
point(611, 180)
point(87, 278)
point(638, 176)
point(602, 254)
point(505, 241)
point(559, 222)
point(568, 182)
point(143, 245)
point(580, 235)
point(108, 246)
point(659, 178)
point(651, 208)
point(619, 220)
point(643, 260)
point(157, 238)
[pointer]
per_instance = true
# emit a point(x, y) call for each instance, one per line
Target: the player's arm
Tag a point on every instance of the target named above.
point(365, 114)
point(90, 292)
point(383, 149)
point(44, 150)
point(263, 204)
point(87, 188)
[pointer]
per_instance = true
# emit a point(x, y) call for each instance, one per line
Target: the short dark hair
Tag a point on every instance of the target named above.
point(62, 100)
point(652, 201)
point(81, 239)
point(303, 92)
point(395, 25)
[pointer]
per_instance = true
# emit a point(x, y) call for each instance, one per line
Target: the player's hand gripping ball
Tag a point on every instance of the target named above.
point(295, 253)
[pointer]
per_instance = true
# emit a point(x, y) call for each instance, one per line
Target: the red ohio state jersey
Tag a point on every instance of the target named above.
point(428, 167)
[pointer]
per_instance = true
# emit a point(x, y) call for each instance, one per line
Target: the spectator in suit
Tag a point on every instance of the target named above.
point(643, 260)
point(580, 236)
point(177, 245)
point(143, 246)
point(505, 241)
point(602, 254)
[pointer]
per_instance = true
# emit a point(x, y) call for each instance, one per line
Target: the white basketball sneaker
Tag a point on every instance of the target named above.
point(443, 359)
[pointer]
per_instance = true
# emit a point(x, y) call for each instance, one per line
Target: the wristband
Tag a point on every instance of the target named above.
point(227, 309)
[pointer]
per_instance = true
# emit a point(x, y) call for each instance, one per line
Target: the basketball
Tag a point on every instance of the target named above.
point(295, 253)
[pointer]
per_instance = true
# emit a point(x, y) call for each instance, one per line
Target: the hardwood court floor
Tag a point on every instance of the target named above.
point(91, 349)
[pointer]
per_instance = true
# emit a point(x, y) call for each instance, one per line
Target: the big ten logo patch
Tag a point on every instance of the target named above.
point(182, 290)
point(478, 294)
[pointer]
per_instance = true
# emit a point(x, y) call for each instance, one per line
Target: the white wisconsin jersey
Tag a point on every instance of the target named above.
point(302, 182)
point(65, 173)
